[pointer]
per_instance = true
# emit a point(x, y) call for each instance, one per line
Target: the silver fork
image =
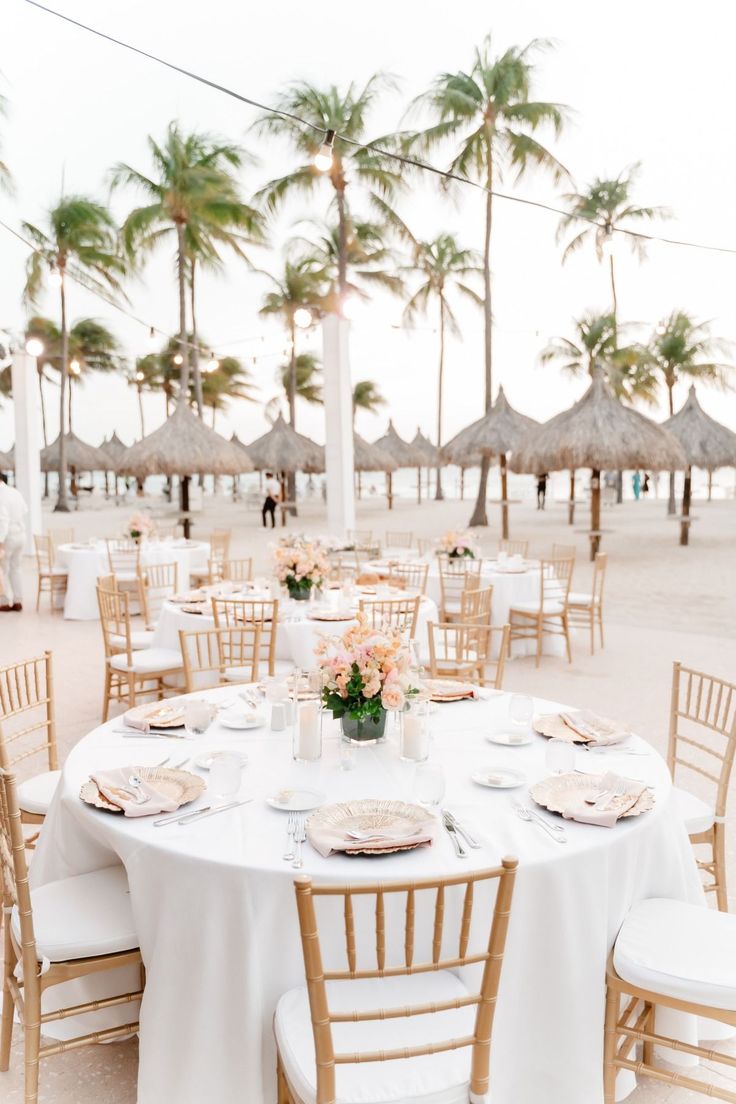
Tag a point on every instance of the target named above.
point(300, 836)
point(288, 854)
point(556, 831)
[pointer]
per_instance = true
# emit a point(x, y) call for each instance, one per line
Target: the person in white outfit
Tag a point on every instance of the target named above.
point(13, 512)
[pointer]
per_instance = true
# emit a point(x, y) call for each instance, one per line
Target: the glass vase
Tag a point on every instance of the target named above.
point(365, 731)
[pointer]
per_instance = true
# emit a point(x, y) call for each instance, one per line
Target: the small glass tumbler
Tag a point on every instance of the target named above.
point(198, 716)
point(225, 775)
point(414, 732)
point(429, 784)
point(559, 756)
point(521, 712)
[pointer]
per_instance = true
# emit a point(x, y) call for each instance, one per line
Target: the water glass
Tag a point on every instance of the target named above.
point(414, 732)
point(198, 716)
point(224, 780)
point(521, 711)
point(429, 784)
point(559, 756)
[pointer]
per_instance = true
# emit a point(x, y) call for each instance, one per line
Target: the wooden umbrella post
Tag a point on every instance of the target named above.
point(710, 484)
point(504, 497)
point(595, 512)
point(184, 502)
point(571, 503)
point(390, 489)
point(686, 496)
point(360, 484)
point(419, 486)
point(462, 484)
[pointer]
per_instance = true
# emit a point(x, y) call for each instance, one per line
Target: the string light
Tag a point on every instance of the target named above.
point(178, 359)
point(139, 377)
point(74, 367)
point(152, 342)
point(324, 155)
point(212, 364)
point(302, 317)
point(35, 347)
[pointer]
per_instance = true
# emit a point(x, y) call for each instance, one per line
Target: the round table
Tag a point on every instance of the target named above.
point(86, 562)
point(216, 916)
point(298, 633)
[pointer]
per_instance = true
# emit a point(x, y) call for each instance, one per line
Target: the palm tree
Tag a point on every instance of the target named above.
point(595, 345)
point(370, 260)
point(489, 112)
point(194, 198)
point(47, 332)
point(681, 348)
point(308, 383)
point(366, 396)
point(229, 380)
point(342, 113)
point(78, 241)
point(442, 266)
point(148, 376)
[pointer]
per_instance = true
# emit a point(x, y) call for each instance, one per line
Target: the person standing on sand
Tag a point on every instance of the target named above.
point(636, 484)
point(645, 485)
point(542, 490)
point(273, 493)
point(13, 512)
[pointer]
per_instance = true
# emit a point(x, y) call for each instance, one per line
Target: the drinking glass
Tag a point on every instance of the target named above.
point(559, 756)
point(429, 784)
point(521, 711)
point(416, 667)
point(198, 716)
point(224, 780)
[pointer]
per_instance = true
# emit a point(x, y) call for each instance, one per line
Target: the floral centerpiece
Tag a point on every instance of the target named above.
point(365, 673)
point(301, 565)
point(140, 525)
point(457, 545)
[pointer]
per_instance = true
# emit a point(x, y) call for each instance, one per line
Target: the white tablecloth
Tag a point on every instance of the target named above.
point(297, 634)
point(85, 563)
point(214, 903)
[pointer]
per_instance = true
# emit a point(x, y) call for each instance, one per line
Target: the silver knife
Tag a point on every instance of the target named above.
point(179, 816)
point(450, 829)
point(200, 814)
point(152, 734)
point(467, 836)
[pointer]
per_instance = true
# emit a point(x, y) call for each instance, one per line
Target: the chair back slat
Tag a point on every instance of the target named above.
point(563, 552)
point(123, 556)
point(399, 539)
point(238, 571)
point(411, 576)
point(158, 582)
point(703, 723)
point(400, 614)
point(482, 996)
point(208, 654)
point(16, 891)
point(27, 708)
point(476, 602)
point(514, 547)
point(463, 649)
point(231, 613)
point(114, 606)
point(456, 575)
point(44, 554)
point(555, 577)
point(599, 576)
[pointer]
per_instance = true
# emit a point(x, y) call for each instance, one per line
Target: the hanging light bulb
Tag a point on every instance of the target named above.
point(74, 367)
point(302, 317)
point(151, 341)
point(34, 347)
point(212, 364)
point(55, 279)
point(178, 359)
point(323, 156)
point(139, 377)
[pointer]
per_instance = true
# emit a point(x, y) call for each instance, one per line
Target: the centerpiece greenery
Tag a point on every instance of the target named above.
point(301, 565)
point(457, 545)
point(140, 525)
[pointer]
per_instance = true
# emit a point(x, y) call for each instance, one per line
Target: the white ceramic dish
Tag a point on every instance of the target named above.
point(295, 801)
point(510, 739)
point(204, 761)
point(239, 721)
point(498, 778)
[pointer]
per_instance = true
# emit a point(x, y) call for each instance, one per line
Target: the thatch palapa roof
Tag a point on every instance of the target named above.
point(400, 451)
point(430, 452)
point(79, 455)
point(705, 442)
point(598, 432)
point(368, 457)
point(115, 449)
point(501, 429)
point(282, 449)
point(184, 445)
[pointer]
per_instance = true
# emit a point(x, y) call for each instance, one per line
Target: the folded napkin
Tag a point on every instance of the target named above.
point(114, 784)
point(593, 729)
point(330, 841)
point(623, 795)
point(441, 688)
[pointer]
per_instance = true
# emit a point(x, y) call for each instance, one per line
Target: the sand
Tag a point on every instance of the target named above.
point(663, 603)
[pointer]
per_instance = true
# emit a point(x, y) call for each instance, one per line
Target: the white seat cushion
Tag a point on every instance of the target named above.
point(577, 599)
point(56, 571)
point(239, 674)
point(697, 814)
point(533, 607)
point(141, 638)
point(35, 794)
point(149, 659)
point(126, 576)
point(434, 1079)
point(83, 916)
point(683, 951)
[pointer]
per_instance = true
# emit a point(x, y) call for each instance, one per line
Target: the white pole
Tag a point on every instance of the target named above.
point(27, 441)
point(338, 425)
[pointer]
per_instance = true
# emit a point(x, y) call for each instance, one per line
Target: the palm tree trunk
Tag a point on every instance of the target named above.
point(614, 308)
point(62, 502)
point(342, 243)
point(671, 501)
point(291, 399)
point(504, 498)
point(595, 512)
point(69, 404)
point(183, 346)
point(571, 503)
point(710, 484)
point(195, 346)
point(140, 411)
point(614, 297)
point(480, 516)
point(43, 428)
point(686, 494)
point(440, 383)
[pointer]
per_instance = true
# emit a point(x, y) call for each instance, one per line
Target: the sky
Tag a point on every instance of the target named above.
point(653, 85)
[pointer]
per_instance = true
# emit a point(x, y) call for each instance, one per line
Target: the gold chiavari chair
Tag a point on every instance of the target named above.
point(238, 571)
point(399, 539)
point(166, 532)
point(52, 580)
point(28, 733)
point(476, 602)
point(212, 655)
point(343, 567)
point(702, 744)
point(60, 536)
point(361, 1013)
point(130, 673)
point(158, 582)
point(465, 651)
point(124, 560)
point(455, 576)
point(669, 954)
point(359, 537)
point(424, 546)
point(548, 616)
point(53, 936)
point(514, 547)
point(411, 576)
point(232, 613)
point(586, 610)
point(563, 551)
point(219, 542)
point(400, 614)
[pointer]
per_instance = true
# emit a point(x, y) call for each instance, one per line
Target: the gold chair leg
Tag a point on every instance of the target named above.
point(539, 644)
point(609, 1047)
point(284, 1096)
point(131, 689)
point(592, 633)
point(32, 1046)
point(719, 860)
point(648, 1048)
point(566, 631)
point(6, 1031)
point(106, 694)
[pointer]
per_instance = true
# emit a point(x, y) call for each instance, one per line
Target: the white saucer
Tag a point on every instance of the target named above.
point(241, 721)
point(499, 778)
point(295, 801)
point(204, 761)
point(510, 739)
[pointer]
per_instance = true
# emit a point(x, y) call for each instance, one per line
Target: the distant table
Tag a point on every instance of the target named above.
point(86, 562)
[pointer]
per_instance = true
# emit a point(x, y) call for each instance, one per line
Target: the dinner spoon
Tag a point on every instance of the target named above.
point(554, 830)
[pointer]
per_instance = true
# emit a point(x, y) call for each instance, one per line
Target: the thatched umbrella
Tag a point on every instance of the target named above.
point(598, 432)
point(115, 450)
point(401, 452)
point(706, 443)
point(369, 458)
point(184, 446)
point(432, 458)
point(501, 430)
point(235, 440)
point(285, 451)
point(79, 457)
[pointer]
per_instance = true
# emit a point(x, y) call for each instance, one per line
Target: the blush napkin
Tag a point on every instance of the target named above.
point(113, 782)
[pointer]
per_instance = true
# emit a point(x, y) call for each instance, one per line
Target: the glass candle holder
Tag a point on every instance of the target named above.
point(414, 732)
point(559, 756)
point(307, 732)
